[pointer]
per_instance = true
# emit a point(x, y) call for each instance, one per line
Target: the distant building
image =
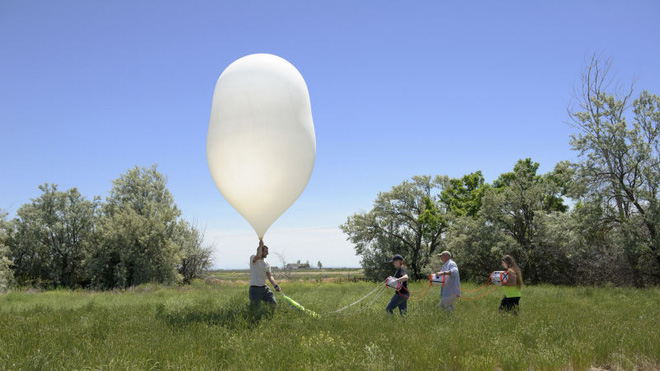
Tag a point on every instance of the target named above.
point(294, 266)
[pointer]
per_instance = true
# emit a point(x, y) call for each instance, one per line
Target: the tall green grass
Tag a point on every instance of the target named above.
point(211, 327)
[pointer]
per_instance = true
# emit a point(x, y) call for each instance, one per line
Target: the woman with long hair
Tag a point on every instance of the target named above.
point(511, 300)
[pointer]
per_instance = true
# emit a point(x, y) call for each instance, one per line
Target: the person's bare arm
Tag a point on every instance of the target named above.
point(259, 251)
point(272, 281)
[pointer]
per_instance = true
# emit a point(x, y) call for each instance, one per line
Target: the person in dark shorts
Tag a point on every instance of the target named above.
point(511, 300)
point(259, 271)
point(400, 298)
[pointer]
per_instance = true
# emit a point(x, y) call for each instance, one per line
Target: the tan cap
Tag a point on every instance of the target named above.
point(445, 253)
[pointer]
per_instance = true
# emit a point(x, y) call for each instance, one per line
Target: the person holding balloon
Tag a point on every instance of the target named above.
point(261, 147)
point(400, 298)
point(259, 271)
point(511, 300)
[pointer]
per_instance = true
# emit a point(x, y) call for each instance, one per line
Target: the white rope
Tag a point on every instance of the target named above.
point(376, 297)
point(381, 287)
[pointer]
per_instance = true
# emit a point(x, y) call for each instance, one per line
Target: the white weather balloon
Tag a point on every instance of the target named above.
point(261, 144)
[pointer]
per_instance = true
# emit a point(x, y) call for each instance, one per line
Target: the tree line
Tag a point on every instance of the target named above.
point(592, 222)
point(62, 239)
point(595, 221)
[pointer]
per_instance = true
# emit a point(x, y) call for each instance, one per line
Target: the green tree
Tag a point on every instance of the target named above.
point(601, 134)
point(474, 243)
point(514, 205)
point(596, 255)
point(464, 196)
point(51, 236)
point(477, 246)
point(136, 240)
point(195, 256)
point(6, 273)
point(406, 220)
point(620, 163)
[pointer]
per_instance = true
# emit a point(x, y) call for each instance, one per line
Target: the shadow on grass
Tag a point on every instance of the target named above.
point(233, 317)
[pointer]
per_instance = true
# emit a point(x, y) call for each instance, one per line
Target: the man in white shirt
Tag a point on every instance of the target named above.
point(451, 290)
point(259, 271)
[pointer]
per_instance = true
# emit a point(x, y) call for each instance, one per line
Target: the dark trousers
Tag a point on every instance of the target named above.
point(510, 304)
point(397, 301)
point(259, 293)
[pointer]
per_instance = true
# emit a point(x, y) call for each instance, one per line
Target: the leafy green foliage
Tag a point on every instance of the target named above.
point(480, 225)
point(137, 233)
point(406, 221)
point(515, 206)
point(464, 196)
point(137, 236)
point(6, 273)
point(619, 167)
point(195, 256)
point(51, 236)
point(478, 246)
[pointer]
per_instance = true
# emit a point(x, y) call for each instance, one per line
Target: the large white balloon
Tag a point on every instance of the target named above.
point(261, 144)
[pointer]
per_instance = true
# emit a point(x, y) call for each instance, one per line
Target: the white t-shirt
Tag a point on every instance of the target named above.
point(258, 271)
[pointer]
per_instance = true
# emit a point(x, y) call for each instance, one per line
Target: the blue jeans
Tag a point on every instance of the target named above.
point(397, 301)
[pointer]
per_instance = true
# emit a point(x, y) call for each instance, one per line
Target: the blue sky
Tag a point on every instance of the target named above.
point(90, 89)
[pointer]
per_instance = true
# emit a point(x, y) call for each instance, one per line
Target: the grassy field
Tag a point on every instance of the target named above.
point(209, 326)
point(317, 275)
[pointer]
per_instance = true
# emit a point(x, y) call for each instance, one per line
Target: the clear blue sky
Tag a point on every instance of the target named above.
point(89, 89)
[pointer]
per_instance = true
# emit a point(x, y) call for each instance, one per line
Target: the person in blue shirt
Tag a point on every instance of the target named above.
point(451, 290)
point(400, 298)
